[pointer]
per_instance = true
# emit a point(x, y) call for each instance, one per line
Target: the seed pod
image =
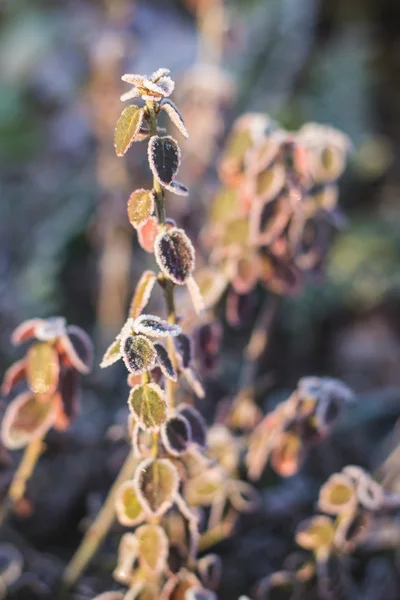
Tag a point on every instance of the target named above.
point(164, 158)
point(176, 435)
point(140, 207)
point(148, 405)
point(127, 128)
point(138, 354)
point(157, 484)
point(175, 255)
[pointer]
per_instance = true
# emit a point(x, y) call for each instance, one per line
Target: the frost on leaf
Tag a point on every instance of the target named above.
point(42, 368)
point(154, 326)
point(212, 284)
point(51, 329)
point(14, 374)
point(26, 418)
point(183, 347)
point(25, 331)
point(198, 427)
point(128, 126)
point(153, 548)
point(138, 354)
point(140, 207)
point(337, 495)
point(76, 349)
point(173, 112)
point(148, 405)
point(176, 435)
point(142, 293)
point(177, 188)
point(157, 484)
point(316, 533)
point(112, 354)
point(147, 234)
point(165, 363)
point(175, 255)
point(204, 488)
point(164, 158)
point(127, 505)
point(194, 382)
point(127, 555)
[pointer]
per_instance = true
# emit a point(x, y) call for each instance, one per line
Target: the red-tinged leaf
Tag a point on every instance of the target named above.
point(76, 349)
point(25, 331)
point(175, 255)
point(165, 362)
point(112, 354)
point(128, 126)
point(138, 354)
point(148, 405)
point(157, 484)
point(13, 375)
point(176, 435)
point(288, 454)
point(164, 158)
point(147, 234)
point(173, 112)
point(153, 548)
point(140, 207)
point(154, 326)
point(142, 294)
point(198, 427)
point(42, 368)
point(183, 347)
point(128, 508)
point(27, 418)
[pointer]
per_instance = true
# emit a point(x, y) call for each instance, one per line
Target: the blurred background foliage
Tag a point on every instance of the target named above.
point(332, 61)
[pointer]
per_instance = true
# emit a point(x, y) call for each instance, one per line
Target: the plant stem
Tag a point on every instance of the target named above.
point(100, 526)
point(25, 469)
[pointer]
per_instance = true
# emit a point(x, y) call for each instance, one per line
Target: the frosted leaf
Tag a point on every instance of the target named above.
point(176, 435)
point(127, 127)
point(165, 363)
point(148, 405)
point(138, 354)
point(337, 495)
point(76, 349)
point(157, 484)
point(173, 112)
point(198, 427)
point(133, 93)
point(112, 354)
point(194, 382)
point(175, 255)
point(195, 296)
point(212, 283)
point(177, 188)
point(147, 234)
point(164, 158)
point(27, 418)
point(203, 489)
point(14, 374)
point(154, 326)
point(133, 79)
point(183, 347)
point(25, 331)
point(42, 368)
point(316, 533)
point(51, 329)
point(153, 548)
point(142, 294)
point(140, 207)
point(128, 508)
point(127, 555)
point(127, 329)
point(166, 84)
point(162, 72)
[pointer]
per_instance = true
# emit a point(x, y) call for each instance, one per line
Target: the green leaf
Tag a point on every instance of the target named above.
point(148, 405)
point(127, 127)
point(153, 548)
point(127, 505)
point(43, 368)
point(157, 483)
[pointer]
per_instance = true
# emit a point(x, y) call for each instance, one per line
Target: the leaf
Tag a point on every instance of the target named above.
point(212, 283)
point(198, 427)
point(175, 255)
point(203, 489)
point(165, 362)
point(128, 126)
point(210, 570)
point(128, 508)
point(140, 207)
point(194, 382)
point(236, 233)
point(112, 354)
point(147, 403)
point(147, 234)
point(315, 533)
point(337, 495)
point(142, 294)
point(25, 331)
point(176, 435)
point(183, 347)
point(154, 326)
point(164, 158)
point(42, 368)
point(27, 418)
point(173, 112)
point(153, 548)
point(226, 205)
point(51, 329)
point(195, 296)
point(127, 554)
point(177, 188)
point(14, 374)
point(76, 349)
point(138, 354)
point(157, 483)
point(287, 455)
point(270, 182)
point(243, 496)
